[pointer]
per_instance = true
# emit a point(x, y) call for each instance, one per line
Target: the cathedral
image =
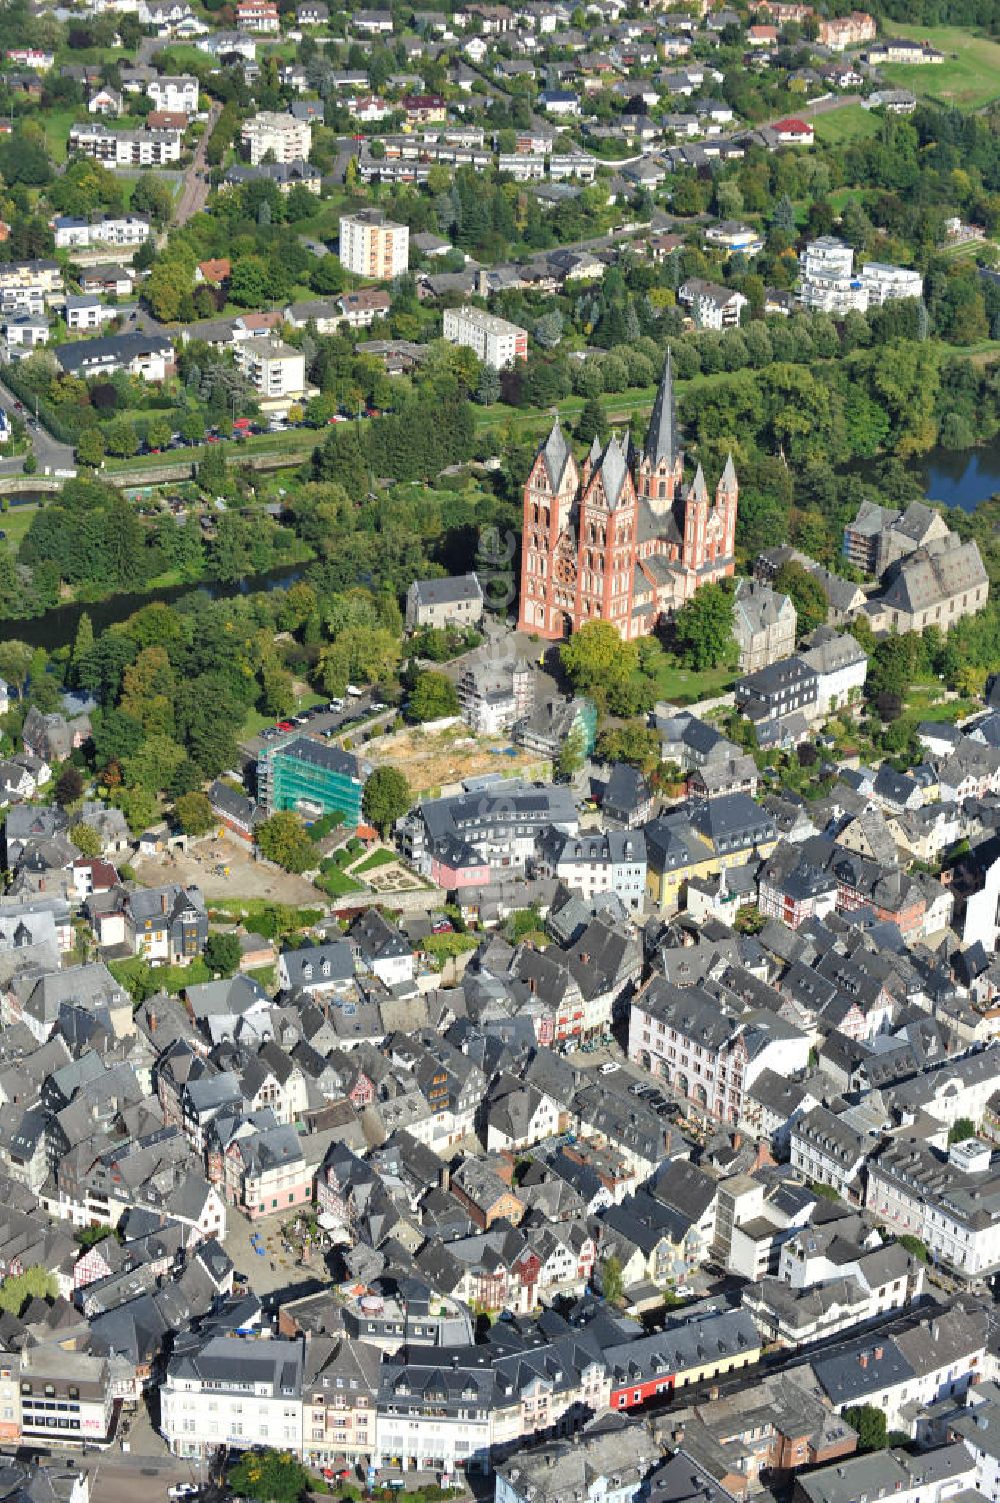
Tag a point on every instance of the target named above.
point(622, 539)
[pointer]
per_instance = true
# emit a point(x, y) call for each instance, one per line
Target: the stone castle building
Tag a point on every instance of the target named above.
point(622, 539)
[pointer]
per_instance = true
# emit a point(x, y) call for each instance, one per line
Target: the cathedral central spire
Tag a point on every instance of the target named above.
point(662, 440)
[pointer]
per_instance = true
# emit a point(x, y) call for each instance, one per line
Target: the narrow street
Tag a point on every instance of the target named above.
point(50, 453)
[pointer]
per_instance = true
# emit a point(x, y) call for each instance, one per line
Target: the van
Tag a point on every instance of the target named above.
point(354, 692)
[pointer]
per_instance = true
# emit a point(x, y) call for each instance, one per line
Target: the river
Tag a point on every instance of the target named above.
point(961, 477)
point(58, 626)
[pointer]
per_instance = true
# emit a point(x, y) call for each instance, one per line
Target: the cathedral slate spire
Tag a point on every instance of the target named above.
point(662, 437)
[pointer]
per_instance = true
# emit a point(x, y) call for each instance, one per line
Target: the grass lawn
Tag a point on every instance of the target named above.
point(168, 978)
point(15, 523)
point(57, 124)
point(337, 884)
point(374, 861)
point(969, 76)
point(296, 442)
point(683, 686)
point(852, 123)
point(254, 908)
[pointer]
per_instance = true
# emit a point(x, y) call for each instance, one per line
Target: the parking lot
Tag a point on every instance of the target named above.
point(630, 1080)
point(353, 714)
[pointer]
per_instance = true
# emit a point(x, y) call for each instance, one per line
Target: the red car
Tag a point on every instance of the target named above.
point(285, 725)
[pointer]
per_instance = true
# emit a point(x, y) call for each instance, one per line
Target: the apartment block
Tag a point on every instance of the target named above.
point(496, 341)
point(372, 246)
point(288, 139)
point(275, 369)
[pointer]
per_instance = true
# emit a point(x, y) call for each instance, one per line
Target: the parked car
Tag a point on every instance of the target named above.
point(183, 1490)
point(609, 1068)
point(285, 725)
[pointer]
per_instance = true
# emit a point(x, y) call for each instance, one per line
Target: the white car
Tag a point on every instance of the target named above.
point(183, 1490)
point(609, 1068)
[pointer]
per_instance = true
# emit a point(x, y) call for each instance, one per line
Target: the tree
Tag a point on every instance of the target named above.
point(806, 594)
point(122, 439)
point(212, 470)
point(488, 389)
point(571, 755)
point(703, 630)
point(222, 953)
point(33, 1283)
point(89, 1236)
point(891, 667)
point(90, 447)
point(432, 697)
point(386, 798)
point(592, 422)
point(269, 1477)
point(86, 840)
point(964, 1128)
point(596, 656)
point(870, 1424)
point(194, 813)
point(15, 662)
point(612, 1283)
point(914, 1245)
point(284, 840)
point(69, 785)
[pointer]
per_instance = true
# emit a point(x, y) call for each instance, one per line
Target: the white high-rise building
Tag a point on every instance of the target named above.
point(372, 246)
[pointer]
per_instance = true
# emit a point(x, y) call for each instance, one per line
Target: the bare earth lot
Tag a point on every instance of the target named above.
point(246, 879)
point(429, 760)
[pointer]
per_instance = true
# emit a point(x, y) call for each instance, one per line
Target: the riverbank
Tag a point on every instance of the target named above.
point(58, 626)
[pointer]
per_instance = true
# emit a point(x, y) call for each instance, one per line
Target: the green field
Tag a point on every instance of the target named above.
point(852, 123)
point(968, 78)
point(15, 523)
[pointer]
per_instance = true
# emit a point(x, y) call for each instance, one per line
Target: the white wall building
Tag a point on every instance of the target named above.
point(829, 282)
point(496, 341)
point(373, 246)
point(275, 369)
point(288, 139)
point(178, 93)
point(235, 1393)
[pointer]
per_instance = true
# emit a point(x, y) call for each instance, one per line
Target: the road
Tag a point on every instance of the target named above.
point(50, 453)
point(194, 193)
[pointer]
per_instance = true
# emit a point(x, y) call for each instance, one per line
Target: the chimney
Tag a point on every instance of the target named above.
point(444, 1178)
point(863, 1359)
point(677, 1437)
point(737, 1141)
point(163, 902)
point(153, 1022)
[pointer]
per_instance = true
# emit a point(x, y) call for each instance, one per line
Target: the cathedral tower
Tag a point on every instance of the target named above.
point(661, 467)
point(548, 549)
